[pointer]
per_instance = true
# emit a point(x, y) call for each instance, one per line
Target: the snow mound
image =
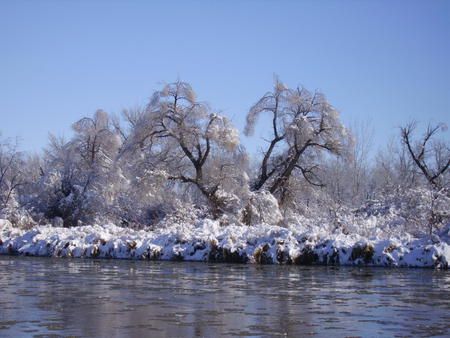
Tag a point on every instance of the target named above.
point(208, 241)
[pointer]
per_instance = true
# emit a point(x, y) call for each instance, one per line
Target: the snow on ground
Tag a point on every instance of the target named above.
point(209, 242)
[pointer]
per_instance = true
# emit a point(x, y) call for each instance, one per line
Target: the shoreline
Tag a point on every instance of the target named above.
point(207, 241)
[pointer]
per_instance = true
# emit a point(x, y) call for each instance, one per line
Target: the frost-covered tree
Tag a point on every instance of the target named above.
point(183, 139)
point(96, 144)
point(96, 141)
point(303, 125)
point(347, 179)
point(11, 176)
point(79, 178)
point(393, 171)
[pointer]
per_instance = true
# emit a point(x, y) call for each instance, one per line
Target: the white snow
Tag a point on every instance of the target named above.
point(209, 241)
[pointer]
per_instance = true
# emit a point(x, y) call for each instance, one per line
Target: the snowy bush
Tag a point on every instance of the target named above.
point(262, 208)
point(419, 211)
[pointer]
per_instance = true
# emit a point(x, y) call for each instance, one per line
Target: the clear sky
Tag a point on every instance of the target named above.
point(384, 61)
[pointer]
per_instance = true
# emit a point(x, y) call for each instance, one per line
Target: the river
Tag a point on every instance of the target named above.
point(115, 298)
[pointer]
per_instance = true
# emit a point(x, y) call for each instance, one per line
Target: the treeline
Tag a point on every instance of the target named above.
point(177, 160)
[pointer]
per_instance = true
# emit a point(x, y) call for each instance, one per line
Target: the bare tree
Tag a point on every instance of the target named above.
point(432, 157)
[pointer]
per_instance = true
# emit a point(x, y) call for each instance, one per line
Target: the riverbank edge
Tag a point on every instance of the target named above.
point(209, 242)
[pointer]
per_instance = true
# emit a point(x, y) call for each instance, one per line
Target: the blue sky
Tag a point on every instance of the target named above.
point(383, 61)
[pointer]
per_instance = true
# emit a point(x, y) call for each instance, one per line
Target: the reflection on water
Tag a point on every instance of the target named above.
point(132, 298)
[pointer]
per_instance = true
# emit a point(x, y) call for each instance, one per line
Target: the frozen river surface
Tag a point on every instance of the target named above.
point(112, 298)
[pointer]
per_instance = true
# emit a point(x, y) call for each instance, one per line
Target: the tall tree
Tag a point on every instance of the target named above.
point(303, 125)
point(186, 139)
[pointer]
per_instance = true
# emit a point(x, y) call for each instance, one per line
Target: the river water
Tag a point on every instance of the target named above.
point(112, 298)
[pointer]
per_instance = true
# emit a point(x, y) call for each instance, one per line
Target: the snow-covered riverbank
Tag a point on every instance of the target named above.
point(208, 241)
